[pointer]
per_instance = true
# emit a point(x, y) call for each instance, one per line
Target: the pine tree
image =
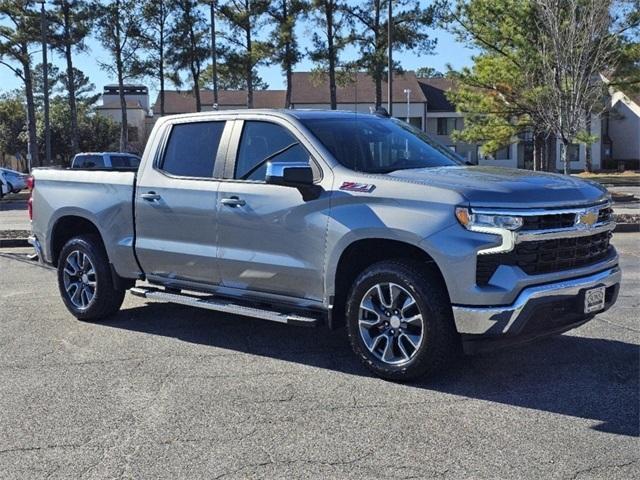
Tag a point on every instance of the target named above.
point(286, 52)
point(369, 30)
point(498, 93)
point(120, 34)
point(72, 22)
point(231, 78)
point(328, 40)
point(19, 30)
point(156, 15)
point(188, 46)
point(244, 18)
point(626, 28)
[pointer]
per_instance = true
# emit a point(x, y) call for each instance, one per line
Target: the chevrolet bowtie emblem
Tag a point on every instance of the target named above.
point(587, 219)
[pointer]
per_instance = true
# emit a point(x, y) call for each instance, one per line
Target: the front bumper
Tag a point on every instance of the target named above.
point(538, 310)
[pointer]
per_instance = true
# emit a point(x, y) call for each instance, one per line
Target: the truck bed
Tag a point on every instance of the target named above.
point(102, 197)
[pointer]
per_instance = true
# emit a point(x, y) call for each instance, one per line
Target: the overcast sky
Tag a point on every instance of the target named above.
point(448, 51)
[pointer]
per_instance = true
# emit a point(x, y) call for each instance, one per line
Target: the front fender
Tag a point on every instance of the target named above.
point(355, 218)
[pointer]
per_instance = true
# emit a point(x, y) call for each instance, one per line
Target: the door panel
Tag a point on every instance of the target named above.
point(269, 238)
point(176, 234)
point(273, 243)
point(176, 224)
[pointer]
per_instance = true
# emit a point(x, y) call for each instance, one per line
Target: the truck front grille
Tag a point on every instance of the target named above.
point(605, 215)
point(549, 222)
point(552, 221)
point(546, 256)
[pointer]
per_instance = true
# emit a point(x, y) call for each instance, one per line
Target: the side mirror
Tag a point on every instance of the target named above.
point(289, 174)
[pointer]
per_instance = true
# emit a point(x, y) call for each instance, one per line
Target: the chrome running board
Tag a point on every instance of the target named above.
point(223, 305)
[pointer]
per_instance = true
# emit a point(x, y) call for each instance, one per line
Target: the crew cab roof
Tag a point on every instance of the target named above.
point(299, 114)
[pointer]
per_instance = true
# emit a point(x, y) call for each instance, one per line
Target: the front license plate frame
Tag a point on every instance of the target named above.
point(594, 299)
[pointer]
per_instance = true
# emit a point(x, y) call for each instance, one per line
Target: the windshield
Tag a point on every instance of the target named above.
point(378, 145)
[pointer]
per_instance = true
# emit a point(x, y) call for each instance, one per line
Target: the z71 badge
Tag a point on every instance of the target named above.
point(357, 187)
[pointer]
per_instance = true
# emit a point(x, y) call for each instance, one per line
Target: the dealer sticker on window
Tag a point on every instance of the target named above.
point(594, 299)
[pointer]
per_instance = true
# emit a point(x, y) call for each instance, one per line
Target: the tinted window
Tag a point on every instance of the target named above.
point(261, 140)
point(378, 145)
point(192, 148)
point(121, 161)
point(88, 161)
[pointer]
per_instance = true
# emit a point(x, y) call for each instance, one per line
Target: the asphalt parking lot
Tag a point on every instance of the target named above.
point(163, 391)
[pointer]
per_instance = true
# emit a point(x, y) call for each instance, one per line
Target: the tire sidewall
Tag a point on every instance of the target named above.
point(87, 246)
point(390, 272)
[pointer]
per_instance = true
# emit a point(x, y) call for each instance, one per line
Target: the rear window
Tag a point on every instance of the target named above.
point(192, 148)
point(122, 161)
point(88, 161)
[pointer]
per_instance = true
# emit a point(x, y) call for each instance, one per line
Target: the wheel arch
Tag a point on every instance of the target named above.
point(67, 227)
point(361, 253)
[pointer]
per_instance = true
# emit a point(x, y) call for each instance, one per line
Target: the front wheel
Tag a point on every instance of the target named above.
point(399, 321)
point(85, 280)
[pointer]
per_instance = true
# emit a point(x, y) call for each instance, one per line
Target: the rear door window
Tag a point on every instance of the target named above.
point(192, 148)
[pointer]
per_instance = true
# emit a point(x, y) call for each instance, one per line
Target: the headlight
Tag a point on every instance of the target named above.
point(477, 221)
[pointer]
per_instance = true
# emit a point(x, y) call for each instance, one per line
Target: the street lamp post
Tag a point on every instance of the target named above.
point(214, 55)
point(45, 83)
point(407, 92)
point(390, 59)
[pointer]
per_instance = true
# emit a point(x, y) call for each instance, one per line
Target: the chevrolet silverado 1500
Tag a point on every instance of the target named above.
point(309, 217)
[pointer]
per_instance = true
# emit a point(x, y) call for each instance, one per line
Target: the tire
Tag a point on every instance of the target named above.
point(420, 329)
point(83, 262)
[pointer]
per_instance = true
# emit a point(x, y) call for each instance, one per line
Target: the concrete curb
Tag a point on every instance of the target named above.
point(627, 227)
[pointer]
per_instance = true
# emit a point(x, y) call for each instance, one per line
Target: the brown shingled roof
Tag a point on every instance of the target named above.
point(184, 102)
point(307, 87)
point(435, 90)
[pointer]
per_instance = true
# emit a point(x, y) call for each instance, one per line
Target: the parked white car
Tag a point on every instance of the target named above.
point(106, 160)
point(15, 180)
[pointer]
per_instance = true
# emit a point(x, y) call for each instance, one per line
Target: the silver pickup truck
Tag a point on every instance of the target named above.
point(336, 218)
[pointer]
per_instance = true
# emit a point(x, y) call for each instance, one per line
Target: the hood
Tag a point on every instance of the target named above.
point(508, 187)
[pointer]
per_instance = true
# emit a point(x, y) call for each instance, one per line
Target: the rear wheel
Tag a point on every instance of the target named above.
point(85, 280)
point(399, 321)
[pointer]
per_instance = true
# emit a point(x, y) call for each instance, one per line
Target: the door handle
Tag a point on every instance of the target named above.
point(233, 202)
point(151, 197)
